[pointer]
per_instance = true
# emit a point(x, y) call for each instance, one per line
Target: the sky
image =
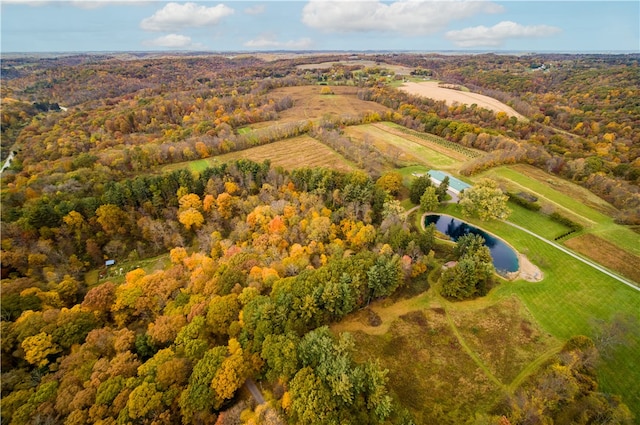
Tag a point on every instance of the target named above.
point(334, 25)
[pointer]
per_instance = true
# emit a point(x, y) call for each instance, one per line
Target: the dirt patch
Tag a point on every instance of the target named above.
point(607, 254)
point(373, 318)
point(433, 90)
point(527, 270)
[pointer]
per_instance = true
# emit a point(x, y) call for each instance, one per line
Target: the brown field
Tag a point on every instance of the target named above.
point(448, 361)
point(301, 151)
point(398, 69)
point(432, 90)
point(309, 104)
point(607, 254)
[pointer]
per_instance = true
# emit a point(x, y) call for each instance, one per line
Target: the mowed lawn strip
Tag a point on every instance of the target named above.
point(564, 203)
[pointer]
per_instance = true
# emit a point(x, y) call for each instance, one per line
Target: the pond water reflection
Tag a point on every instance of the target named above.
point(504, 257)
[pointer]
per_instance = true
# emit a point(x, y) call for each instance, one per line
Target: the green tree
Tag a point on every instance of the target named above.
point(429, 200)
point(442, 189)
point(384, 276)
point(280, 354)
point(417, 188)
point(485, 200)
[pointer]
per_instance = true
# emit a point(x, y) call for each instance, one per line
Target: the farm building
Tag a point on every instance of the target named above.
point(455, 185)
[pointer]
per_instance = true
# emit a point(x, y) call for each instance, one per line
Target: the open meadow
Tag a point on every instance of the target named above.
point(310, 104)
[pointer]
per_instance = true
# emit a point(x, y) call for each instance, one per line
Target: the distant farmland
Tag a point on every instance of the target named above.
point(432, 89)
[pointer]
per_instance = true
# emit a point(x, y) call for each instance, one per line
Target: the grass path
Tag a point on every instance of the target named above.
point(533, 367)
point(468, 349)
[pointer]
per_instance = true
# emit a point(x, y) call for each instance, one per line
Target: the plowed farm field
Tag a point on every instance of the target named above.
point(433, 90)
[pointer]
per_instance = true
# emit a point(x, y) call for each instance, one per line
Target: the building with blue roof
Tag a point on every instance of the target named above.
point(455, 185)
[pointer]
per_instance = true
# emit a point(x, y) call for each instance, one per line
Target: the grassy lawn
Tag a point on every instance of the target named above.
point(536, 221)
point(199, 165)
point(570, 200)
point(569, 301)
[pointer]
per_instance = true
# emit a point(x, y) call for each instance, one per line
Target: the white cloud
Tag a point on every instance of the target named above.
point(82, 4)
point(172, 41)
point(177, 16)
point(402, 16)
point(269, 41)
point(497, 34)
point(95, 4)
point(32, 3)
point(255, 10)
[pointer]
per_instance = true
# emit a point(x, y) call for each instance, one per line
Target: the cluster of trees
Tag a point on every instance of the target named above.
point(472, 275)
point(485, 200)
point(565, 390)
point(261, 260)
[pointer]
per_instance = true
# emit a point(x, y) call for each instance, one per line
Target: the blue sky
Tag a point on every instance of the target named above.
point(414, 25)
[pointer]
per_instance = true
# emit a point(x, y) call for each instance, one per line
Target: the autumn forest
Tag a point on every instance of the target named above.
point(178, 228)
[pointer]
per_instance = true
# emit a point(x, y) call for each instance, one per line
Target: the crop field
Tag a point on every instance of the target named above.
point(309, 104)
point(398, 69)
point(301, 151)
point(452, 149)
point(400, 146)
point(433, 90)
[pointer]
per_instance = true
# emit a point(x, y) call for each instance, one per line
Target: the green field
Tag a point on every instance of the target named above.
point(444, 357)
point(570, 299)
point(570, 200)
point(410, 150)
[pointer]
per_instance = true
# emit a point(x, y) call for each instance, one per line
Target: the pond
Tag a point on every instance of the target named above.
point(504, 257)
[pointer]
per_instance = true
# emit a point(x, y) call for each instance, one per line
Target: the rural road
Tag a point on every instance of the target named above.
point(255, 392)
point(577, 257)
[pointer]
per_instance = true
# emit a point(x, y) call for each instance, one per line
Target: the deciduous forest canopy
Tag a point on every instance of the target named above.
point(224, 271)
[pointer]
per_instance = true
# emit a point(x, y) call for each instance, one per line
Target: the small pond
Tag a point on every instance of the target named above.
point(504, 257)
